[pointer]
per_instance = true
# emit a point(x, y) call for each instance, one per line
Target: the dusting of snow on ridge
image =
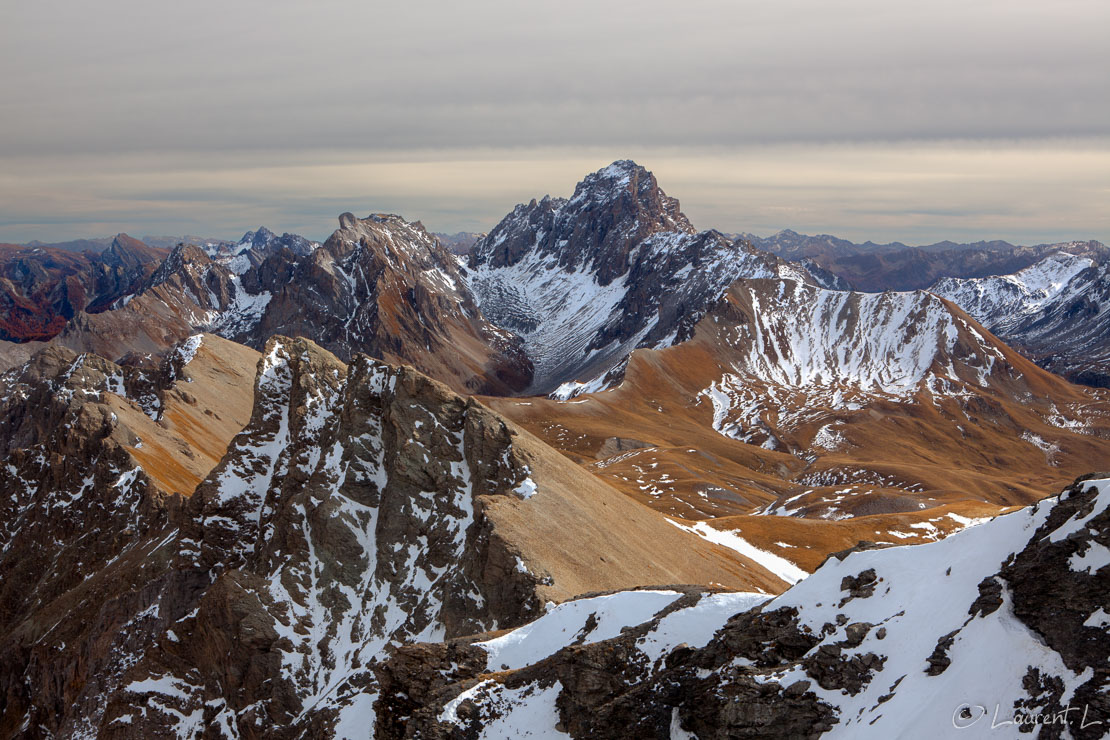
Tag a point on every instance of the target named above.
point(187, 350)
point(806, 336)
point(1007, 299)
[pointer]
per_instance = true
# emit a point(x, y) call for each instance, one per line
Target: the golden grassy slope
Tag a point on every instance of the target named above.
point(899, 461)
point(201, 413)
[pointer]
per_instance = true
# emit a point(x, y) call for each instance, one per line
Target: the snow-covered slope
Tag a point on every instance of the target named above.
point(1005, 300)
point(1058, 311)
point(840, 350)
point(972, 636)
point(802, 336)
point(617, 266)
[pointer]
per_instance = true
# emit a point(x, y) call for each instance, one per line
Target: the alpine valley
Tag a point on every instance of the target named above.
point(593, 473)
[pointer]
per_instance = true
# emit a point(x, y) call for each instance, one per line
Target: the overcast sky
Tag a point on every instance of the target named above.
point(864, 118)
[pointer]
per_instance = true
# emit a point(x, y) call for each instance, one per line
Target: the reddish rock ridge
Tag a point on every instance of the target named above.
point(43, 288)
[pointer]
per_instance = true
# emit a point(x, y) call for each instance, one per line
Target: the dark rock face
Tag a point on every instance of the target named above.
point(265, 242)
point(189, 272)
point(611, 211)
point(1071, 335)
point(183, 295)
point(348, 517)
point(1061, 608)
point(78, 543)
point(379, 285)
point(256, 246)
point(252, 249)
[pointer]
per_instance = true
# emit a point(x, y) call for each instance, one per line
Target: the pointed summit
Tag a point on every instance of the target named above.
point(259, 238)
point(129, 252)
point(611, 210)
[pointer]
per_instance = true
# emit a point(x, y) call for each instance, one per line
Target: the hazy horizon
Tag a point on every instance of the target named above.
point(863, 120)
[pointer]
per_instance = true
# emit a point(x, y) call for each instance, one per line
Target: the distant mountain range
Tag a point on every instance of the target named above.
point(876, 267)
point(1056, 310)
point(596, 473)
point(460, 243)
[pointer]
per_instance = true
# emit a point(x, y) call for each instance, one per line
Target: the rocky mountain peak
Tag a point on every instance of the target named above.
point(180, 257)
point(583, 280)
point(611, 211)
point(627, 184)
point(128, 252)
point(390, 235)
point(258, 238)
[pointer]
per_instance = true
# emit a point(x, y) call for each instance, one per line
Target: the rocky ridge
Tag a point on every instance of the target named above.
point(384, 286)
point(89, 452)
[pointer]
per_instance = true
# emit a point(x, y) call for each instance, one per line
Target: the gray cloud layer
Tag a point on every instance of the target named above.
point(110, 106)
